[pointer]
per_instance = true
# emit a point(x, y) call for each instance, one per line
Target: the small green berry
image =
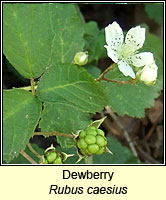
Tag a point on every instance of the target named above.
point(83, 144)
point(58, 161)
point(51, 157)
point(91, 132)
point(100, 151)
point(100, 140)
point(100, 132)
point(90, 139)
point(82, 134)
point(93, 148)
point(45, 161)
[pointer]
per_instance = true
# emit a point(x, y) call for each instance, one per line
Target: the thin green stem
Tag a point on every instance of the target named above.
point(54, 134)
point(27, 88)
point(33, 151)
point(120, 82)
point(102, 77)
point(33, 86)
point(89, 160)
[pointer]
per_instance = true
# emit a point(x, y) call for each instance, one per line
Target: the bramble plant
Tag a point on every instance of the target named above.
point(52, 46)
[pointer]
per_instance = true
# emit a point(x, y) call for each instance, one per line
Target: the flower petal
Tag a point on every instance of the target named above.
point(126, 69)
point(141, 59)
point(112, 54)
point(135, 38)
point(114, 36)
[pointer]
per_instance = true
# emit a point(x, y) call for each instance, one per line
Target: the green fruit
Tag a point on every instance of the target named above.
point(58, 161)
point(79, 144)
point(90, 139)
point(83, 144)
point(51, 157)
point(82, 134)
point(100, 132)
point(105, 140)
point(100, 151)
point(45, 161)
point(91, 128)
point(93, 148)
point(100, 140)
point(91, 132)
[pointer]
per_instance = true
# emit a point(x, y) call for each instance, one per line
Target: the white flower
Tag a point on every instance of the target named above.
point(124, 52)
point(148, 74)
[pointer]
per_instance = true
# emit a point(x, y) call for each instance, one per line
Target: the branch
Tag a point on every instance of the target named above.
point(101, 77)
point(33, 151)
point(54, 134)
point(33, 86)
point(125, 133)
point(25, 155)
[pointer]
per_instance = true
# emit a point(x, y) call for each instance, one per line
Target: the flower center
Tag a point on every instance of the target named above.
point(126, 51)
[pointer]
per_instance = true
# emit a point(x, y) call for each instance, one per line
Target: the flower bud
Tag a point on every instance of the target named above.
point(148, 74)
point(81, 58)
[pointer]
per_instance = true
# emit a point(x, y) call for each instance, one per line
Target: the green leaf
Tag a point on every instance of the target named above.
point(65, 118)
point(27, 37)
point(155, 11)
point(21, 160)
point(132, 99)
point(67, 30)
point(36, 35)
point(93, 70)
point(95, 41)
point(72, 84)
point(21, 113)
point(154, 43)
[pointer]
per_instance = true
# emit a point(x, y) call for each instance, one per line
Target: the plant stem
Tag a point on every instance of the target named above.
point(25, 155)
point(101, 77)
point(27, 88)
point(33, 86)
point(120, 82)
point(33, 151)
point(89, 160)
point(125, 133)
point(54, 134)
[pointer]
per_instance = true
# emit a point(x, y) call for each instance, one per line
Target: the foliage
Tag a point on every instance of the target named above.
point(40, 42)
point(155, 11)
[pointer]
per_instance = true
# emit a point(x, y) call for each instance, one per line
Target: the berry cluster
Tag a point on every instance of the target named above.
point(52, 157)
point(91, 141)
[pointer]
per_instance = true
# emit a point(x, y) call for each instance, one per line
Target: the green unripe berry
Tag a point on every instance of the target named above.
point(90, 139)
point(91, 132)
point(100, 140)
point(82, 144)
point(100, 132)
point(51, 157)
point(91, 128)
point(82, 134)
point(45, 161)
point(58, 161)
point(93, 148)
point(105, 141)
point(84, 151)
point(100, 151)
